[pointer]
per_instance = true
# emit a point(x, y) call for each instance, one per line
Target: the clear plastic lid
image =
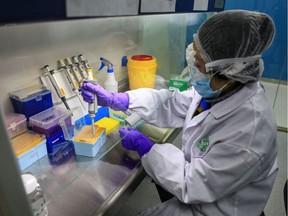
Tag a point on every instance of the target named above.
point(14, 119)
point(48, 118)
point(29, 92)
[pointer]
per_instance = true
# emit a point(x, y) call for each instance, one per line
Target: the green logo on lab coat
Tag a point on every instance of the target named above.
point(203, 144)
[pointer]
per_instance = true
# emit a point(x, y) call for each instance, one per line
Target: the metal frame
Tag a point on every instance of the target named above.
point(13, 200)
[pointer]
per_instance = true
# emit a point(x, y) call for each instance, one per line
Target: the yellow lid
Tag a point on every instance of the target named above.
point(86, 135)
point(108, 123)
point(26, 141)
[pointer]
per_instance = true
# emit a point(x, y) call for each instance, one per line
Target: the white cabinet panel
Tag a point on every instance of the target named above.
point(87, 8)
point(153, 6)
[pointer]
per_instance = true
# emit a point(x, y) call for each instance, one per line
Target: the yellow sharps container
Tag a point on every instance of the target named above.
point(141, 71)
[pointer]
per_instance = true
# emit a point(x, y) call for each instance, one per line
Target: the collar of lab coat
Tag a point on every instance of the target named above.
point(231, 103)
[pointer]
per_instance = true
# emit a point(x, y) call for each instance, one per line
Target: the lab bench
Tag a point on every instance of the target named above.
point(93, 186)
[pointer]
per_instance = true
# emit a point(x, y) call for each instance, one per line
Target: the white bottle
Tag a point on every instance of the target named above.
point(110, 83)
point(35, 195)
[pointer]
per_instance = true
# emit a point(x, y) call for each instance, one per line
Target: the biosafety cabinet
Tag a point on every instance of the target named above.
point(100, 183)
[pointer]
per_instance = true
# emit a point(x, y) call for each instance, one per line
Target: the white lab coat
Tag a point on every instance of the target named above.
point(230, 174)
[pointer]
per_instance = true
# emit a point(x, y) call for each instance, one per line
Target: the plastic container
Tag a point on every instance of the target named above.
point(141, 71)
point(160, 83)
point(54, 143)
point(47, 122)
point(63, 151)
point(28, 148)
point(108, 123)
point(85, 143)
point(118, 115)
point(177, 83)
point(35, 195)
point(32, 100)
point(16, 124)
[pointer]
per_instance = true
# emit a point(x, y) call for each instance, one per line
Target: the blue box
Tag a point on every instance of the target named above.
point(30, 101)
point(54, 143)
point(85, 143)
point(31, 156)
point(90, 150)
point(101, 113)
point(63, 151)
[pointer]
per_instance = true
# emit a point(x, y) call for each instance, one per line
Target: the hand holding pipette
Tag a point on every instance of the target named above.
point(93, 105)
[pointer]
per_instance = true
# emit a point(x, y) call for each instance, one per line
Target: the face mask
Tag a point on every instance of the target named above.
point(201, 83)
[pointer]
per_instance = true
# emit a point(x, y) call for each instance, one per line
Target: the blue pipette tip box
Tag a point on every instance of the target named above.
point(31, 100)
point(101, 113)
point(33, 155)
point(28, 148)
point(85, 143)
point(88, 149)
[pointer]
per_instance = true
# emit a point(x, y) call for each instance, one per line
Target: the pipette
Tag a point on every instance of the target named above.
point(74, 70)
point(69, 75)
point(71, 79)
point(84, 62)
point(92, 107)
point(60, 92)
point(80, 67)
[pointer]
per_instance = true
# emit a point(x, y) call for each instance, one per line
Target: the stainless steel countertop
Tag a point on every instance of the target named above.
point(91, 186)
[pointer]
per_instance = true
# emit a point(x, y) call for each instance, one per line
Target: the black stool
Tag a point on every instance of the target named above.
point(163, 194)
point(285, 196)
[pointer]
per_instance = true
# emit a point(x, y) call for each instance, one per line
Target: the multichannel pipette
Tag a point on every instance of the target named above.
point(80, 67)
point(92, 107)
point(84, 62)
point(68, 73)
point(60, 92)
point(71, 79)
point(74, 70)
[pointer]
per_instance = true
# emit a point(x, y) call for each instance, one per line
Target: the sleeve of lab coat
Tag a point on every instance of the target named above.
point(226, 168)
point(160, 107)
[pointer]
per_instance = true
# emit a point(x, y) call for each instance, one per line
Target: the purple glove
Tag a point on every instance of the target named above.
point(116, 101)
point(134, 140)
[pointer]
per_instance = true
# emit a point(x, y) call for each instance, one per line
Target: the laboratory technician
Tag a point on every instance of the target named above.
point(227, 164)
